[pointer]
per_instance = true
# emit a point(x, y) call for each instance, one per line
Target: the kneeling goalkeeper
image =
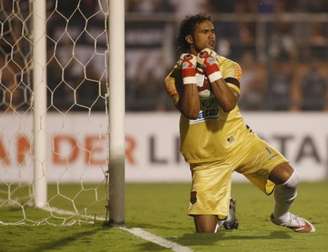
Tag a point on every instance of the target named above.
point(214, 138)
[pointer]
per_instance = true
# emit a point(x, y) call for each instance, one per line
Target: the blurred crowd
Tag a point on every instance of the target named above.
point(281, 45)
point(187, 7)
point(284, 62)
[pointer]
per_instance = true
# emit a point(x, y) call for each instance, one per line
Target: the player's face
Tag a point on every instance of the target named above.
point(204, 36)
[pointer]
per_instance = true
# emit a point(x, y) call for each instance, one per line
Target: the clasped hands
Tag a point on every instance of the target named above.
point(206, 59)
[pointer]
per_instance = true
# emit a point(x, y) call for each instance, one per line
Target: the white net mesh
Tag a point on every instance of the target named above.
point(77, 118)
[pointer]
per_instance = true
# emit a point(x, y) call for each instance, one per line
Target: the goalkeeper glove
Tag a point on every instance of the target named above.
point(206, 58)
point(188, 68)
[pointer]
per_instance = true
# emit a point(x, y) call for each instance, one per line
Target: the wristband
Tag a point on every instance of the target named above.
point(189, 80)
point(214, 76)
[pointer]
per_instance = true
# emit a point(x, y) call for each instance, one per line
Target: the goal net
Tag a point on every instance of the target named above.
point(76, 118)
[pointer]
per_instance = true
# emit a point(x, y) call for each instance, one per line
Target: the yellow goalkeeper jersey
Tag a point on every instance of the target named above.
point(215, 133)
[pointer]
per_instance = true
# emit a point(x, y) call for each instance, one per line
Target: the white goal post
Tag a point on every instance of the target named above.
point(39, 62)
point(116, 111)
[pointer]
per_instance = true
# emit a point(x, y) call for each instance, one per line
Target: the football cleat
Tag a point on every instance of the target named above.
point(231, 222)
point(296, 223)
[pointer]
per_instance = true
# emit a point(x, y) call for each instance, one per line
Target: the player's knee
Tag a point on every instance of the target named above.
point(206, 223)
point(281, 173)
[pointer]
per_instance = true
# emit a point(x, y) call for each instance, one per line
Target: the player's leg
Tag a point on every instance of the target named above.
point(211, 223)
point(286, 180)
point(206, 223)
point(210, 195)
point(269, 170)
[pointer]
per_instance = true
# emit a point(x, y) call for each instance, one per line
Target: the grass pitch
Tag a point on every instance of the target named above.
point(161, 209)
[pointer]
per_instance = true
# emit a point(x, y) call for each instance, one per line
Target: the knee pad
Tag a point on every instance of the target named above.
point(287, 191)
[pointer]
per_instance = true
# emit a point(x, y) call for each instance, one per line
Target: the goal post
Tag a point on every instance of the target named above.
point(62, 107)
point(39, 64)
point(116, 112)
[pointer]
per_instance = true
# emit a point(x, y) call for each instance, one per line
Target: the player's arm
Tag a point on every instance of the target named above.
point(186, 97)
point(170, 85)
point(226, 96)
point(189, 104)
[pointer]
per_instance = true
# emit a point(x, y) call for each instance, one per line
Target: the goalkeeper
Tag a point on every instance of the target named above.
point(214, 138)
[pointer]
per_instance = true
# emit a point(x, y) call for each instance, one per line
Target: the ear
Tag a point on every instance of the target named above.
point(189, 39)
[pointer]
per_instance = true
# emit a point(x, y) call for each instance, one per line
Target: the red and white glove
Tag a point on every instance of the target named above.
point(188, 68)
point(206, 58)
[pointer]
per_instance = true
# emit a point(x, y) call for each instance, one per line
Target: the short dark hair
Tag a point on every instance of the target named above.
point(187, 27)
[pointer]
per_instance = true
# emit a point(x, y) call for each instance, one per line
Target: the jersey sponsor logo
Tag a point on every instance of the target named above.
point(209, 110)
point(205, 115)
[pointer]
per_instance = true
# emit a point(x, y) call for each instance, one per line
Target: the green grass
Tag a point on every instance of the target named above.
point(161, 209)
